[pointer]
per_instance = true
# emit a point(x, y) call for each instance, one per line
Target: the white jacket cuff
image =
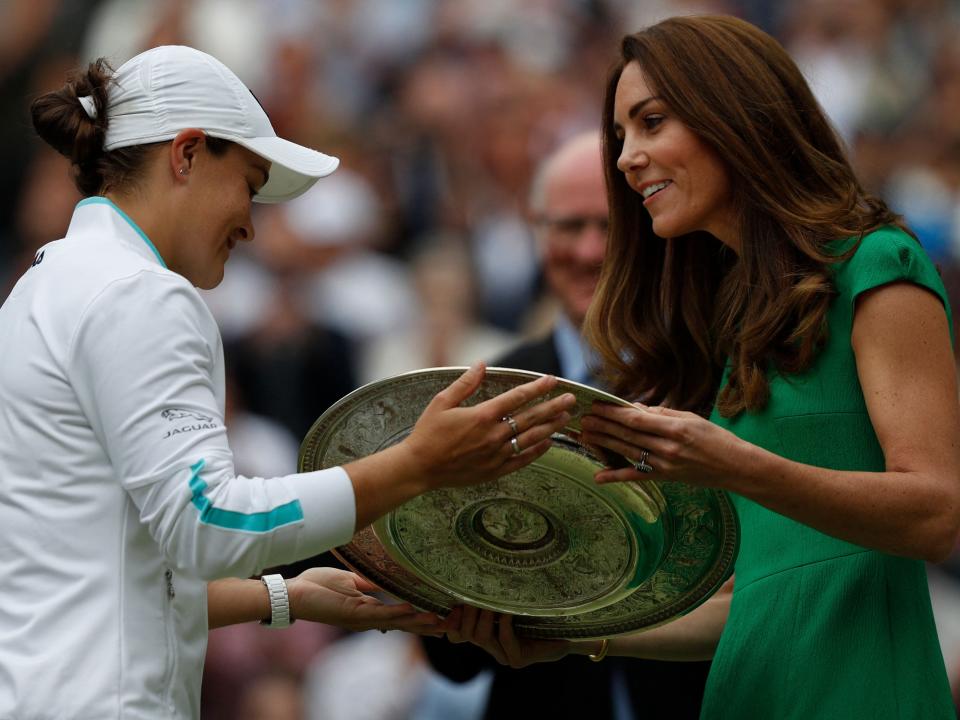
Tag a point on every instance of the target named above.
point(329, 509)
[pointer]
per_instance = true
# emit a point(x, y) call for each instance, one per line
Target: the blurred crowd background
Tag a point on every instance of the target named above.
point(417, 252)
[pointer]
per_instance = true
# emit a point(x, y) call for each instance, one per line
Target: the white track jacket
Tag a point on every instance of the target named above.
point(118, 498)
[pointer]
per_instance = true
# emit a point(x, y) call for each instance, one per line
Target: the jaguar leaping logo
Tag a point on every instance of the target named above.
point(178, 414)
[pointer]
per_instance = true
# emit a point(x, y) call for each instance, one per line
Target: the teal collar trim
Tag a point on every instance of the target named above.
point(98, 200)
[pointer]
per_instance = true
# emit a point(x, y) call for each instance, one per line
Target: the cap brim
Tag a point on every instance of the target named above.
point(294, 168)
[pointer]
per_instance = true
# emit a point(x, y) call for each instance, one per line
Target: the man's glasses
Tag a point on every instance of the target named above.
point(572, 226)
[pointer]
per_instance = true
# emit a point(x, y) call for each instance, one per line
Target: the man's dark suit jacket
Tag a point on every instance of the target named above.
point(573, 687)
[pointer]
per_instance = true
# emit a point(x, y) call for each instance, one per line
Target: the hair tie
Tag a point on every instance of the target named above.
point(89, 106)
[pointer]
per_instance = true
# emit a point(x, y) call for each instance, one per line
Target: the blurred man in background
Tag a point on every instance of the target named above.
point(568, 212)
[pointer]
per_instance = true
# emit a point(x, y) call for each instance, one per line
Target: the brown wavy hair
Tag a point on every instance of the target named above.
point(669, 312)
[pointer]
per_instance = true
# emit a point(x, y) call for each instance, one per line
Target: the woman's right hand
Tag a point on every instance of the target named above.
point(454, 446)
point(494, 633)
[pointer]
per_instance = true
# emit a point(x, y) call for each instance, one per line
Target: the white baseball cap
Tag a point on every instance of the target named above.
point(167, 89)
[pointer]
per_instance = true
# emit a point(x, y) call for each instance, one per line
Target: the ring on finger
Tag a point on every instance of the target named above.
point(642, 465)
point(516, 446)
point(512, 423)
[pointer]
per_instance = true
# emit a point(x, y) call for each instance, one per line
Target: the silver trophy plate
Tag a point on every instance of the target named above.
point(568, 557)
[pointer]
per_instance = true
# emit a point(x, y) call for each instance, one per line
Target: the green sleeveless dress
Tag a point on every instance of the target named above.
point(819, 627)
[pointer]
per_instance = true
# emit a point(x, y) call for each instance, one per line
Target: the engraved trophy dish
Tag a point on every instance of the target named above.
point(567, 557)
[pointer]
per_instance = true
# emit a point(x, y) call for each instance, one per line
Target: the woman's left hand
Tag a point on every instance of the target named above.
point(340, 598)
point(494, 633)
point(678, 445)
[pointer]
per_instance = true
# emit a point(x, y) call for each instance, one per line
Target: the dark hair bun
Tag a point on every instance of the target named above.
point(63, 123)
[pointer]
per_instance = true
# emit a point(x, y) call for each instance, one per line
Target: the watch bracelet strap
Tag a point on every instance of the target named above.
point(279, 602)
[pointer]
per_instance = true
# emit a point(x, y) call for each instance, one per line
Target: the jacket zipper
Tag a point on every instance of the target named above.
point(168, 621)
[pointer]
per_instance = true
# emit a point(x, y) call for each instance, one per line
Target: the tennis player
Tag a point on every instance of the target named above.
point(118, 497)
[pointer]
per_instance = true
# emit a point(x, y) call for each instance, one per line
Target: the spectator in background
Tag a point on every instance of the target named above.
point(568, 209)
point(371, 676)
point(447, 329)
point(272, 695)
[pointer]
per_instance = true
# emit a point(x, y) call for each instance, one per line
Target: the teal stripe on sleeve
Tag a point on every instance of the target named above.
point(230, 519)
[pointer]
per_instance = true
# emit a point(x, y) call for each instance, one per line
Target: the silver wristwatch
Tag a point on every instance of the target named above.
point(279, 602)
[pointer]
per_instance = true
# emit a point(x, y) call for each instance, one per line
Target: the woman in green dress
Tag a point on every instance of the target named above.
point(751, 279)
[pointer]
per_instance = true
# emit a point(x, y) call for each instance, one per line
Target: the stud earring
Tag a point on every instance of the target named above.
point(183, 171)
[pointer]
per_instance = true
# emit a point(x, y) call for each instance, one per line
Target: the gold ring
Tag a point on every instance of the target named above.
point(602, 653)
